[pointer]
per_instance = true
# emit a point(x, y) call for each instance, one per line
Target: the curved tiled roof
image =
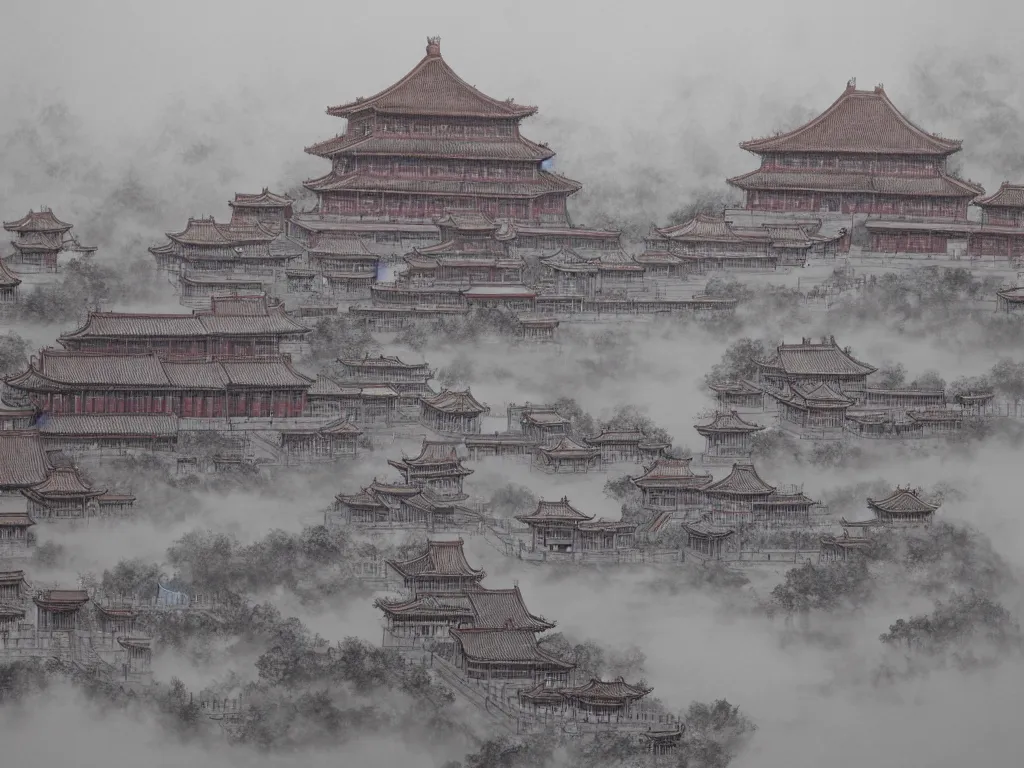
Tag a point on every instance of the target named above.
point(264, 199)
point(433, 88)
point(858, 121)
point(505, 645)
point(442, 558)
point(603, 690)
point(37, 221)
point(1007, 196)
point(548, 511)
point(672, 473)
point(941, 185)
point(7, 278)
point(569, 448)
point(450, 401)
point(39, 241)
point(742, 481)
point(504, 609)
point(727, 422)
point(817, 395)
point(902, 501)
point(617, 436)
point(64, 481)
point(703, 227)
point(808, 358)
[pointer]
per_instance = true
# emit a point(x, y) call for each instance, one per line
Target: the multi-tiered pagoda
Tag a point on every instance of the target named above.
point(859, 156)
point(40, 238)
point(430, 144)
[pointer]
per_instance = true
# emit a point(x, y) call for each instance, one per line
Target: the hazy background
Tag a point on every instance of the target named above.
point(127, 117)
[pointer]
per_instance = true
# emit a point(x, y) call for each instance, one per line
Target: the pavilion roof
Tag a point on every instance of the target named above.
point(264, 199)
point(727, 421)
point(206, 231)
point(778, 498)
point(545, 183)
point(505, 645)
point(858, 122)
point(543, 416)
point(468, 222)
point(442, 558)
point(64, 482)
point(742, 387)
point(569, 260)
point(381, 362)
point(23, 461)
point(428, 501)
point(941, 185)
point(62, 600)
point(809, 358)
point(903, 501)
point(705, 227)
point(7, 278)
point(449, 401)
point(815, 395)
point(1007, 196)
point(672, 473)
point(567, 447)
point(742, 481)
point(602, 690)
point(554, 511)
point(504, 609)
point(433, 88)
point(42, 220)
point(434, 452)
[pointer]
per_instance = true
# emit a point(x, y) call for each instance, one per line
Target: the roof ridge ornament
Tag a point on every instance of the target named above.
point(434, 46)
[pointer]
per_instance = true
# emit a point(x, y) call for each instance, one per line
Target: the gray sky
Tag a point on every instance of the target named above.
point(660, 91)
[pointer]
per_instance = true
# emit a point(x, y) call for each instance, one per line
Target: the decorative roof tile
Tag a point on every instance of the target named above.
point(858, 121)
